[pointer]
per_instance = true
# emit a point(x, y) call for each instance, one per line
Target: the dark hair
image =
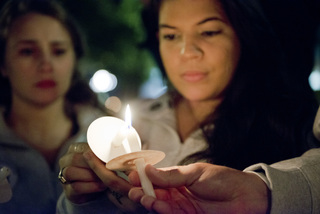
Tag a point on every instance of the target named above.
point(79, 91)
point(262, 117)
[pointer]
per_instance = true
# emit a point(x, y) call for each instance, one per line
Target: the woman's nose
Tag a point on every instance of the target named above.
point(190, 49)
point(45, 64)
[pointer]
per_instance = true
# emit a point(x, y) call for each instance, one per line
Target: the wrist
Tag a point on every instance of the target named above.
point(259, 194)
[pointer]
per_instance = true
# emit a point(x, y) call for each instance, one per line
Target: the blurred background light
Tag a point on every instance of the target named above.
point(113, 103)
point(314, 80)
point(103, 81)
point(154, 86)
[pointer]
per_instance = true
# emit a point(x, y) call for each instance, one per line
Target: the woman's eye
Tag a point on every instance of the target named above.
point(210, 33)
point(26, 51)
point(169, 37)
point(59, 52)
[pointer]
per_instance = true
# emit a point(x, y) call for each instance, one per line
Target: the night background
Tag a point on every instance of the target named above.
point(116, 38)
point(115, 35)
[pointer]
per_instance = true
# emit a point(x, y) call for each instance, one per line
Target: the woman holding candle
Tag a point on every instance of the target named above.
point(45, 105)
point(231, 103)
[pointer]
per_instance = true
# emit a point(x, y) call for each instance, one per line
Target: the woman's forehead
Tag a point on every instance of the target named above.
point(187, 10)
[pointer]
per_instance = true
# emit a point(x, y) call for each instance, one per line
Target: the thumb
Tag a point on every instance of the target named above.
point(172, 176)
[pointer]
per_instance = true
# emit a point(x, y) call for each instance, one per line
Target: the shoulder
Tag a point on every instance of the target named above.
point(151, 107)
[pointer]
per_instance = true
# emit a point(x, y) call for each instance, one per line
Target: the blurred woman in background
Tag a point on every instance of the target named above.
point(45, 105)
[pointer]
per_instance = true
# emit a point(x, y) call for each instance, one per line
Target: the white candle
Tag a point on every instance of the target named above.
point(105, 137)
point(118, 144)
point(145, 182)
point(139, 162)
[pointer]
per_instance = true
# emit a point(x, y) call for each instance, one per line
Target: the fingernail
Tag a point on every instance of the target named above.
point(80, 147)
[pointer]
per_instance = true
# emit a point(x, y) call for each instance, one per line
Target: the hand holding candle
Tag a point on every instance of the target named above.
point(118, 144)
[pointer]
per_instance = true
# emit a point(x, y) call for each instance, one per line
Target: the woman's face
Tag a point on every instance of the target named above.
point(39, 59)
point(199, 48)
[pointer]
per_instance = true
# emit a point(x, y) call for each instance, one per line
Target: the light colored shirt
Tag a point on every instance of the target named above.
point(155, 123)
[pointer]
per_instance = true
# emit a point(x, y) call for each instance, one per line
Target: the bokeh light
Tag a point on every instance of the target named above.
point(103, 81)
point(314, 80)
point(154, 86)
point(113, 103)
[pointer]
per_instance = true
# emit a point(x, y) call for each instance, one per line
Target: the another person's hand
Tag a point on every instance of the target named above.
point(202, 188)
point(88, 178)
point(82, 184)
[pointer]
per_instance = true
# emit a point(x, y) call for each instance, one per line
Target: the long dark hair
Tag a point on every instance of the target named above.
point(79, 91)
point(262, 117)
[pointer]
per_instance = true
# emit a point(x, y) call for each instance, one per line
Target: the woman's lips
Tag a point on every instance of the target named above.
point(46, 84)
point(194, 76)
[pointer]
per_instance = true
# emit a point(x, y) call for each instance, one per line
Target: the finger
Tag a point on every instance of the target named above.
point(159, 206)
point(81, 192)
point(73, 159)
point(135, 194)
point(167, 201)
point(78, 147)
point(173, 177)
point(108, 177)
point(147, 202)
point(72, 174)
point(165, 177)
point(86, 187)
point(134, 178)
